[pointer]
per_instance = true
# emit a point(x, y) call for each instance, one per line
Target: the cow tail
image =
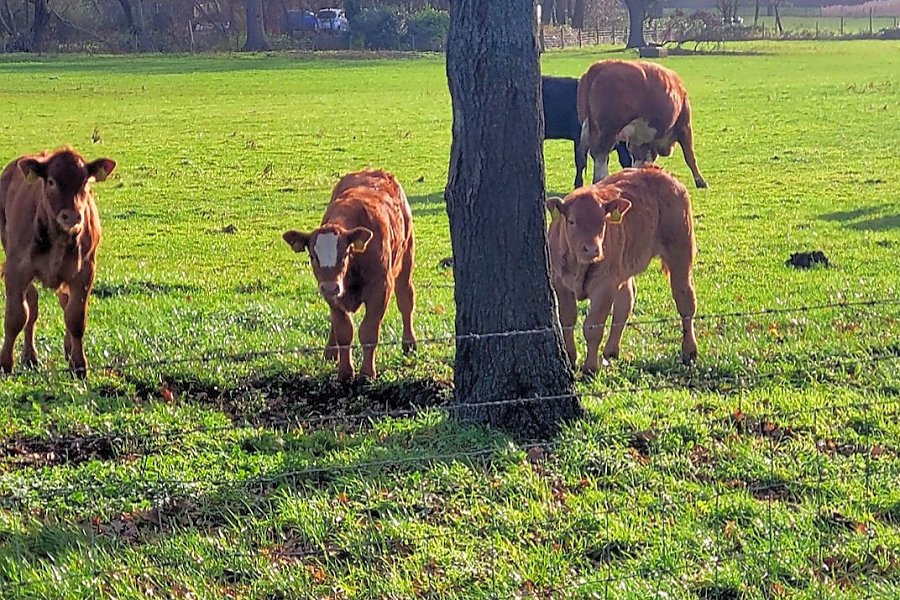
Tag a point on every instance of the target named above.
point(585, 141)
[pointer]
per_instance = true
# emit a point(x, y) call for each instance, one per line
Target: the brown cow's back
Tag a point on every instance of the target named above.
point(374, 199)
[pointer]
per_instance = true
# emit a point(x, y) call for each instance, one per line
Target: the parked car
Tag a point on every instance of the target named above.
point(332, 19)
point(299, 20)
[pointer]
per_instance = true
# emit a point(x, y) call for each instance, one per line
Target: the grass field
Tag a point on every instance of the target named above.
point(210, 455)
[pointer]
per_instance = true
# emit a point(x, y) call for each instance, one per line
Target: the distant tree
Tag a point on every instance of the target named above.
point(637, 14)
point(495, 201)
point(256, 31)
point(134, 18)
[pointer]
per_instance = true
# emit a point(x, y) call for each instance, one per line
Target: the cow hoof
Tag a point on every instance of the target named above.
point(79, 372)
point(30, 361)
point(588, 373)
point(409, 346)
point(345, 376)
point(330, 354)
point(689, 358)
point(701, 183)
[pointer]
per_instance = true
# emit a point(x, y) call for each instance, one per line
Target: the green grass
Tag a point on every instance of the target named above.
point(769, 469)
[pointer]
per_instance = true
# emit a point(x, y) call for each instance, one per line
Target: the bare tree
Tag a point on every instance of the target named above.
point(134, 16)
point(495, 201)
point(256, 31)
point(637, 13)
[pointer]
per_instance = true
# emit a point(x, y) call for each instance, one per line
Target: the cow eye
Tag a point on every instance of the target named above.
point(571, 221)
point(51, 182)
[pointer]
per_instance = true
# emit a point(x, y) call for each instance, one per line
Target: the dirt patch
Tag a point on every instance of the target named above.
point(21, 451)
point(614, 550)
point(289, 401)
point(745, 424)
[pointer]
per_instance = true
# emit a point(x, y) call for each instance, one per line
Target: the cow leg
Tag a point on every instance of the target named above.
point(406, 299)
point(75, 313)
point(600, 151)
point(62, 295)
point(601, 165)
point(686, 139)
point(568, 313)
point(686, 301)
point(625, 159)
point(29, 353)
point(580, 164)
point(331, 352)
point(16, 317)
point(622, 309)
point(342, 329)
point(601, 304)
point(370, 330)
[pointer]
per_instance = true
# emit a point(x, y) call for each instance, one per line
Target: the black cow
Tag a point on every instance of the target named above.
point(561, 120)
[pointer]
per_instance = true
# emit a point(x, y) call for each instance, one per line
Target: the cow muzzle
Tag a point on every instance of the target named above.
point(331, 289)
point(70, 221)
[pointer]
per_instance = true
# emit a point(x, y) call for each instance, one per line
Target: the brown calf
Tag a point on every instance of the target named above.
point(50, 231)
point(602, 236)
point(363, 249)
point(641, 103)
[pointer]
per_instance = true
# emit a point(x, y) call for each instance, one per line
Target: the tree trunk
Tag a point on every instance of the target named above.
point(756, 14)
point(578, 14)
point(39, 25)
point(778, 26)
point(134, 15)
point(495, 201)
point(561, 10)
point(256, 32)
point(637, 10)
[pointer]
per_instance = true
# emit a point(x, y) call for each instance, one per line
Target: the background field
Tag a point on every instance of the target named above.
point(211, 456)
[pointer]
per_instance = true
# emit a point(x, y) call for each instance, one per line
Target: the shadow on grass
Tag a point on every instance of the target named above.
point(428, 205)
point(864, 219)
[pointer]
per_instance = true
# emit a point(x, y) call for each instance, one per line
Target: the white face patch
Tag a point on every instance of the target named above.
point(326, 249)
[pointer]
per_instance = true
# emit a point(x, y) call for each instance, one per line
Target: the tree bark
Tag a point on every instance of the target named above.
point(498, 229)
point(256, 32)
point(39, 25)
point(578, 13)
point(637, 11)
point(134, 15)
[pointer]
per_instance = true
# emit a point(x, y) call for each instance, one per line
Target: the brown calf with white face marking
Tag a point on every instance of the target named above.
point(50, 231)
point(641, 103)
point(602, 236)
point(362, 251)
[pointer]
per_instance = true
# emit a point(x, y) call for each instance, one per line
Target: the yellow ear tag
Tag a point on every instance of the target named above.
point(31, 176)
point(615, 216)
point(358, 246)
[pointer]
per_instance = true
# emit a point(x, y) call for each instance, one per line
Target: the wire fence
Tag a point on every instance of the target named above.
point(602, 562)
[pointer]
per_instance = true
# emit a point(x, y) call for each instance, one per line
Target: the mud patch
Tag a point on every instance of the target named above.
point(289, 401)
point(18, 452)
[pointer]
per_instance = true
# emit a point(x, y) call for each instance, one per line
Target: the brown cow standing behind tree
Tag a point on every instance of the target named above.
point(602, 236)
point(639, 102)
point(361, 251)
point(50, 231)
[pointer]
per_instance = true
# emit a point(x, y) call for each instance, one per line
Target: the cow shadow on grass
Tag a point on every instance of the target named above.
point(870, 218)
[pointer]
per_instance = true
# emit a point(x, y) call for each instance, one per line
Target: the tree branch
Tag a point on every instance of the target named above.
point(68, 23)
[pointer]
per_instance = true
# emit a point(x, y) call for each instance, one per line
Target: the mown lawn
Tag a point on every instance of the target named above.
point(211, 455)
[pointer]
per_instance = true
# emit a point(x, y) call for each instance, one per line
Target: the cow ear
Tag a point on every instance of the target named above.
point(556, 206)
point(101, 168)
point(358, 239)
point(616, 209)
point(297, 240)
point(33, 168)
